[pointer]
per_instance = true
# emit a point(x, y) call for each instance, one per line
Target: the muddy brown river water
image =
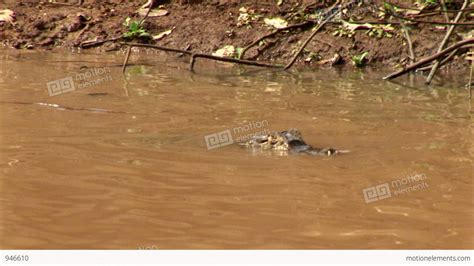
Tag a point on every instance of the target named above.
point(123, 163)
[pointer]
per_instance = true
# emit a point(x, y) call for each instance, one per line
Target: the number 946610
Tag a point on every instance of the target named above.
point(16, 258)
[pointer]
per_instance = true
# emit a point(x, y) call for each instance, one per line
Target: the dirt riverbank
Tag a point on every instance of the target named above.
point(207, 26)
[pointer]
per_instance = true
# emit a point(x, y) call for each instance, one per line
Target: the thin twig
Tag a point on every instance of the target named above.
point(237, 61)
point(430, 58)
point(470, 80)
point(459, 51)
point(470, 76)
point(434, 13)
point(409, 42)
point(293, 60)
point(416, 9)
point(82, 32)
point(368, 22)
point(207, 56)
point(431, 22)
point(444, 42)
point(127, 56)
point(150, 3)
point(86, 44)
point(443, 7)
point(191, 63)
point(158, 47)
point(365, 22)
point(442, 62)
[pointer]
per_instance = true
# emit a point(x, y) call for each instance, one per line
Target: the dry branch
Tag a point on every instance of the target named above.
point(432, 22)
point(445, 41)
point(87, 44)
point(445, 60)
point(127, 56)
point(197, 55)
point(430, 58)
point(409, 42)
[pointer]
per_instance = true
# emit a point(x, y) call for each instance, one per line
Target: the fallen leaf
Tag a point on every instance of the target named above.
point(276, 22)
point(147, 4)
point(243, 19)
point(412, 12)
point(226, 51)
point(352, 26)
point(336, 59)
point(6, 15)
point(161, 35)
point(153, 13)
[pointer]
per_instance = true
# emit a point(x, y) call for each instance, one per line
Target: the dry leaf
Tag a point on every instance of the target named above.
point(226, 51)
point(153, 13)
point(276, 22)
point(6, 15)
point(352, 26)
point(161, 35)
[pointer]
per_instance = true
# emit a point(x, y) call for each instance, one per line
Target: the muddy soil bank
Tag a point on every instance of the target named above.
point(206, 26)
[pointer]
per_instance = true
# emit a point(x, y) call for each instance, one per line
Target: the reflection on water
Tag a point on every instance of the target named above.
point(140, 174)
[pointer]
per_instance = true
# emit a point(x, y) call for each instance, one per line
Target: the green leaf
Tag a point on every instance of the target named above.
point(238, 52)
point(134, 26)
point(360, 60)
